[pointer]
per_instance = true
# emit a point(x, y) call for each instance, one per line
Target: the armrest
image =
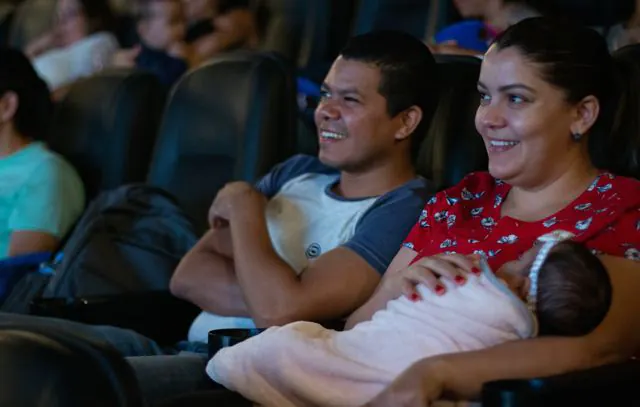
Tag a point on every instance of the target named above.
point(608, 385)
point(155, 314)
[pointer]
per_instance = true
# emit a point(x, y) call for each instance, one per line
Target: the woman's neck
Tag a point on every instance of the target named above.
point(531, 204)
point(11, 143)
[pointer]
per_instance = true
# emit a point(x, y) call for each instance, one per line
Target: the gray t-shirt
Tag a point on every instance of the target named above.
point(306, 219)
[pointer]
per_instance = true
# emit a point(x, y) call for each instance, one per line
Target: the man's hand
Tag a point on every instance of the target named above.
point(234, 198)
point(418, 386)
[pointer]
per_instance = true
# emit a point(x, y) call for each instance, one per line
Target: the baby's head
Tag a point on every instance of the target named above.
point(573, 288)
point(161, 23)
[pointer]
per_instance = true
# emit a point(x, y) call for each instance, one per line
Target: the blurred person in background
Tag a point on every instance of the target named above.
point(483, 21)
point(161, 28)
point(79, 44)
point(41, 196)
point(234, 24)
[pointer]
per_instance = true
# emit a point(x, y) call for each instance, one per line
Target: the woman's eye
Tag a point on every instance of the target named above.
point(516, 100)
point(484, 98)
point(324, 94)
point(351, 99)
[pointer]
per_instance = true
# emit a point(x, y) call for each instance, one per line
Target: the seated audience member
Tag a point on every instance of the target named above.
point(557, 118)
point(484, 20)
point(560, 289)
point(311, 239)
point(199, 15)
point(236, 25)
point(161, 51)
point(41, 196)
point(79, 44)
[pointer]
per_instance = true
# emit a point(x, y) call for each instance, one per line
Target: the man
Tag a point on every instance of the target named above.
point(312, 239)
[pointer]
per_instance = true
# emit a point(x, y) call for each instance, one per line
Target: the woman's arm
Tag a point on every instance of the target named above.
point(384, 293)
point(462, 375)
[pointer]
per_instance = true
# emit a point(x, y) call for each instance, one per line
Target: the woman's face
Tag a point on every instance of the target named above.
point(71, 23)
point(195, 10)
point(525, 122)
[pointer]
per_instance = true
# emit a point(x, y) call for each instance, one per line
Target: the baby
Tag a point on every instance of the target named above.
point(557, 288)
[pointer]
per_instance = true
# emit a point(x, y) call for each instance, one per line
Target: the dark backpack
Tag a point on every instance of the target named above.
point(130, 239)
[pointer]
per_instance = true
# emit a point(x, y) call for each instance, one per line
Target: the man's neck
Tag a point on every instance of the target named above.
point(377, 181)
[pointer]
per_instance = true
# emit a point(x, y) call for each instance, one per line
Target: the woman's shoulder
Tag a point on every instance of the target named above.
point(608, 188)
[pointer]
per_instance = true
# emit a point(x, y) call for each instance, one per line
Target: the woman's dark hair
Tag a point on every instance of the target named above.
point(35, 108)
point(576, 59)
point(99, 15)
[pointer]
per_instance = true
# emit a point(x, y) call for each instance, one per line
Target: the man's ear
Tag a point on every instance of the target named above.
point(9, 103)
point(411, 118)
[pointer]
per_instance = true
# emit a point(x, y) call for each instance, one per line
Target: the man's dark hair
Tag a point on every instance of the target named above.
point(408, 70)
point(574, 291)
point(33, 116)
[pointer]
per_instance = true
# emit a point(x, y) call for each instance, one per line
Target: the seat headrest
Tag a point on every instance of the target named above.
point(44, 367)
point(452, 147)
point(106, 127)
point(233, 118)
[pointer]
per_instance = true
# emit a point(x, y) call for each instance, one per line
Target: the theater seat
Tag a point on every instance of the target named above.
point(453, 148)
point(231, 119)
point(106, 127)
point(41, 367)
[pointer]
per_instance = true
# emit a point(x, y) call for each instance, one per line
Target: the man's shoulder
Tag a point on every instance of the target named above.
point(294, 168)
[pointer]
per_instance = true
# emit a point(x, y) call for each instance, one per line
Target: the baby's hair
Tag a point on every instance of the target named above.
point(574, 291)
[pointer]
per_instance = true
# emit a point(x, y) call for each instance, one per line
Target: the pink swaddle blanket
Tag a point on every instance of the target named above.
point(304, 364)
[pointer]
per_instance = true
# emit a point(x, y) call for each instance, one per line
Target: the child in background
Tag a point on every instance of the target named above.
point(560, 288)
point(161, 28)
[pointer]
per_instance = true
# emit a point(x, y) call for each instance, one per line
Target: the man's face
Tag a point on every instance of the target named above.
point(354, 128)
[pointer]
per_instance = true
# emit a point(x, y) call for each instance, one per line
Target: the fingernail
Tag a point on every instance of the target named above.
point(460, 280)
point(476, 271)
point(414, 297)
point(440, 289)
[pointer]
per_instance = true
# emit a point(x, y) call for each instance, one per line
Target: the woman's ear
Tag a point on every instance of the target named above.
point(411, 118)
point(587, 111)
point(8, 106)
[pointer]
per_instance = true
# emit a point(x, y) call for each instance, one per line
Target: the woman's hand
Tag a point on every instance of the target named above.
point(418, 386)
point(428, 271)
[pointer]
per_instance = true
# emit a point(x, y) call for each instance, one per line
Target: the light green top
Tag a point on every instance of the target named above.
point(40, 192)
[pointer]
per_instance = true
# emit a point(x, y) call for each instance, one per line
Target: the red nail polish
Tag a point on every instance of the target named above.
point(460, 280)
point(440, 289)
point(476, 271)
point(414, 297)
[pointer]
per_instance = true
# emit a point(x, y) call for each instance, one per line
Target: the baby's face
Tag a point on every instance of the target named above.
point(515, 274)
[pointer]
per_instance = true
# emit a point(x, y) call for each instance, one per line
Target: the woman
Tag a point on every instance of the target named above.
point(80, 43)
point(555, 109)
point(41, 196)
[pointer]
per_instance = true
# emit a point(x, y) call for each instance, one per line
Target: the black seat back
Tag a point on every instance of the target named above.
point(106, 127)
point(410, 16)
point(452, 147)
point(231, 119)
point(43, 367)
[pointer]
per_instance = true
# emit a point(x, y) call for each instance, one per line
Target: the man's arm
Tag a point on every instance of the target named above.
point(462, 375)
point(206, 276)
point(331, 287)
